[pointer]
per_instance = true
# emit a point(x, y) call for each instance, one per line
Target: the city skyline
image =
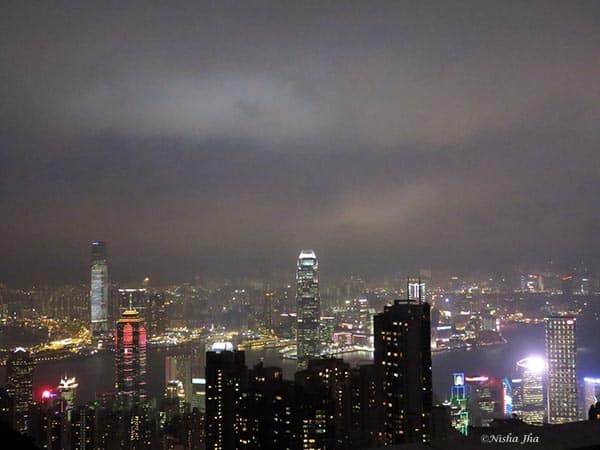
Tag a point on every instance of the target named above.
point(301, 225)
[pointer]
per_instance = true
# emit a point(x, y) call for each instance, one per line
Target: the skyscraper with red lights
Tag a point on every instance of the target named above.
point(130, 358)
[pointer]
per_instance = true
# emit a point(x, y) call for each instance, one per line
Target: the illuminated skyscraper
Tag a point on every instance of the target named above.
point(130, 358)
point(403, 351)
point(308, 308)
point(19, 380)
point(99, 288)
point(562, 377)
point(530, 388)
point(459, 414)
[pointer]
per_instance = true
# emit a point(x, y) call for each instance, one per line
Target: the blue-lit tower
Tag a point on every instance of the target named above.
point(458, 403)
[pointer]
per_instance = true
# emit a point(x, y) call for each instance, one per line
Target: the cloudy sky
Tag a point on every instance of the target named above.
point(219, 138)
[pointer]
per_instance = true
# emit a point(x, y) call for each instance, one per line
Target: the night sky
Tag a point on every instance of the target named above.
point(220, 138)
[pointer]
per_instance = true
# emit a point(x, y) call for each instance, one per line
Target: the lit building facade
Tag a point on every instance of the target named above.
point(99, 288)
point(562, 376)
point(459, 413)
point(308, 340)
point(403, 352)
point(19, 381)
point(130, 358)
point(529, 390)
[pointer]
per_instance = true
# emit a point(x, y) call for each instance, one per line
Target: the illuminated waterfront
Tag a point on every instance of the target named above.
point(96, 374)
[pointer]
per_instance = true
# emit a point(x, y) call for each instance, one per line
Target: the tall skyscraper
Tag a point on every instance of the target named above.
point(562, 377)
point(308, 308)
point(226, 374)
point(531, 384)
point(130, 358)
point(99, 289)
point(403, 351)
point(19, 380)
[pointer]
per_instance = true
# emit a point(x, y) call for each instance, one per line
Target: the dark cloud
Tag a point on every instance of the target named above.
point(220, 138)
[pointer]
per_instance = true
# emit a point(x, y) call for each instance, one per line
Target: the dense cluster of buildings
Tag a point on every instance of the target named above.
point(545, 390)
point(214, 400)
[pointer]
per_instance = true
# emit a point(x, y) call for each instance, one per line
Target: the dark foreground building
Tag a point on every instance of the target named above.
point(403, 351)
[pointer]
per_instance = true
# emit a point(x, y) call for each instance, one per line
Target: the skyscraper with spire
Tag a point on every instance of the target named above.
point(308, 303)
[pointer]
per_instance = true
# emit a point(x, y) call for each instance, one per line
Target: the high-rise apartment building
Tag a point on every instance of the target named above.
point(308, 339)
point(403, 351)
point(226, 375)
point(562, 377)
point(130, 358)
point(99, 289)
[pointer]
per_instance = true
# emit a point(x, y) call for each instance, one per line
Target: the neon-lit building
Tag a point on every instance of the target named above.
point(531, 372)
point(459, 413)
point(130, 358)
point(99, 288)
point(507, 408)
point(562, 377)
point(308, 340)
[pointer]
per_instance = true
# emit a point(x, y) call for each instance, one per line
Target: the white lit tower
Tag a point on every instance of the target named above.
point(99, 289)
point(308, 308)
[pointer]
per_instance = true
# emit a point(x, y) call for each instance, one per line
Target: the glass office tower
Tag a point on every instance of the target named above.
point(308, 339)
point(99, 289)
